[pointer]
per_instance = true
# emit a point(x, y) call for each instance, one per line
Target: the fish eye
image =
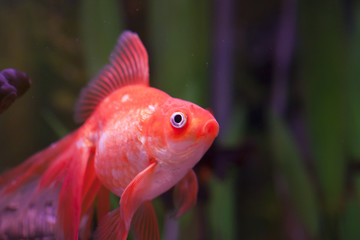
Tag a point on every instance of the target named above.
point(178, 119)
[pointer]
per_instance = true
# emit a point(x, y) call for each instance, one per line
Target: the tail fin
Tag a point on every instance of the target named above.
point(70, 199)
point(60, 170)
point(34, 166)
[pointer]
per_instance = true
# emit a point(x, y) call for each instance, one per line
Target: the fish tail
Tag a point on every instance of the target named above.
point(71, 193)
point(60, 169)
point(102, 203)
point(33, 167)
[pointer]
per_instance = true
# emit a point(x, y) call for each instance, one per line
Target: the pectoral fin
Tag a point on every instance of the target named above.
point(185, 193)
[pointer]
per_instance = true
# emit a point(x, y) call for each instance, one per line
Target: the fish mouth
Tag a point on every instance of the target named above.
point(210, 130)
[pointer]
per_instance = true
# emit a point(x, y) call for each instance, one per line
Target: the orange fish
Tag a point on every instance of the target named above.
point(136, 141)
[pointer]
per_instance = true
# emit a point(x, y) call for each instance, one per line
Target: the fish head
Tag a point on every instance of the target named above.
point(180, 132)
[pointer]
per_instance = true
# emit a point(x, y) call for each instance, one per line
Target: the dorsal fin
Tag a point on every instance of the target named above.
point(128, 65)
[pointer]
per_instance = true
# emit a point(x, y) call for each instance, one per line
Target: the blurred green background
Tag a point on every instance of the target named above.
point(282, 78)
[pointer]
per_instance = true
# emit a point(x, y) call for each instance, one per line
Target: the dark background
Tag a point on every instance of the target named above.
point(282, 78)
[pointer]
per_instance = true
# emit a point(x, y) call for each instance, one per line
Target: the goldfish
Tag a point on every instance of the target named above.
point(135, 141)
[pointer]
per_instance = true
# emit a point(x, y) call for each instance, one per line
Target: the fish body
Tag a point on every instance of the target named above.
point(136, 141)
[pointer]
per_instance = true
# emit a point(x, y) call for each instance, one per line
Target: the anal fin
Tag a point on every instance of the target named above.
point(144, 225)
point(109, 226)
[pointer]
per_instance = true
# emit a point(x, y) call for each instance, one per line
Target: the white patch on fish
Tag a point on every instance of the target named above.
point(152, 108)
point(125, 98)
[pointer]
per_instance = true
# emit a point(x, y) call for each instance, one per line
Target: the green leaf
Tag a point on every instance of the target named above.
point(100, 27)
point(179, 46)
point(322, 61)
point(114, 201)
point(349, 225)
point(57, 126)
point(353, 90)
point(221, 207)
point(235, 133)
point(357, 187)
point(289, 163)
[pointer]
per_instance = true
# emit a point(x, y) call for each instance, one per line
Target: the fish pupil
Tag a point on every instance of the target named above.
point(178, 118)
